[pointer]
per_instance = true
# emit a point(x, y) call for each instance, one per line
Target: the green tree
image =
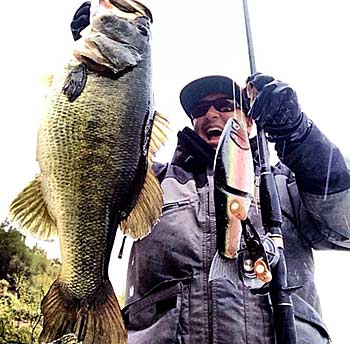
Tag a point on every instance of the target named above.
point(12, 244)
point(29, 274)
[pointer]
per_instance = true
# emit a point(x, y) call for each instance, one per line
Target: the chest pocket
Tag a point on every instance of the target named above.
point(161, 316)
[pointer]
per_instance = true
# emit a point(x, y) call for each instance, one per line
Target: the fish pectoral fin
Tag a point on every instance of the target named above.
point(159, 134)
point(96, 319)
point(75, 82)
point(147, 209)
point(29, 211)
point(149, 203)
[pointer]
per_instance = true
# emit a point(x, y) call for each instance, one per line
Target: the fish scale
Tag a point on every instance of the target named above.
point(98, 155)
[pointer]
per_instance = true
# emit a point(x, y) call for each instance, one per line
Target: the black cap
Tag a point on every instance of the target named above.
point(199, 88)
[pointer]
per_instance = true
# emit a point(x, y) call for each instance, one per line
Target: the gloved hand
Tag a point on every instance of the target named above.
point(275, 108)
point(199, 150)
point(81, 19)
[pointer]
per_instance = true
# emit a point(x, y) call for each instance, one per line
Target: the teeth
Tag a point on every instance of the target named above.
point(214, 128)
point(210, 130)
point(214, 131)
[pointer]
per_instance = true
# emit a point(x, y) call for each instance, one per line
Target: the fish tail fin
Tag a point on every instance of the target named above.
point(94, 320)
point(30, 212)
point(149, 204)
point(222, 267)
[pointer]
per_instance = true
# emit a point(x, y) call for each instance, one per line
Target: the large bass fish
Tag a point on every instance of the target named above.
point(95, 143)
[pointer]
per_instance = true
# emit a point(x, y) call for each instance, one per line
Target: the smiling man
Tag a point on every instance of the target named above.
point(210, 102)
point(212, 113)
point(169, 296)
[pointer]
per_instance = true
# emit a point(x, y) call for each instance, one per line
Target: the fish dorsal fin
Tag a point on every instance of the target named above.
point(29, 211)
point(149, 204)
point(46, 80)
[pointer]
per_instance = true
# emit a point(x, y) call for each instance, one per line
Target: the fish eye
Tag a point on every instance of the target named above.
point(143, 30)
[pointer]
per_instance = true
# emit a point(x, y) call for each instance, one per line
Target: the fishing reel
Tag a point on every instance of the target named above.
point(258, 255)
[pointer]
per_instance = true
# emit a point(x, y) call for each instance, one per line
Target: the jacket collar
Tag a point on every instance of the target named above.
point(193, 154)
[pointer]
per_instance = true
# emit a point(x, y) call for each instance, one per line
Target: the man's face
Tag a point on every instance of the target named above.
point(210, 125)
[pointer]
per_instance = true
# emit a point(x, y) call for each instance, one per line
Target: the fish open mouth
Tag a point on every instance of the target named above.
point(131, 6)
point(213, 133)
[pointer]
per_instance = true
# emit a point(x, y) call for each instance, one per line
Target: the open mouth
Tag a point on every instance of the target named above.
point(131, 6)
point(213, 133)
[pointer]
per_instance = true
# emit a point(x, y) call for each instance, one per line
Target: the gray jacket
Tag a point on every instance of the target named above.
point(169, 298)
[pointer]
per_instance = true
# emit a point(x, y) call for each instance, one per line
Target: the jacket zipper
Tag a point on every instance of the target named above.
point(173, 205)
point(208, 254)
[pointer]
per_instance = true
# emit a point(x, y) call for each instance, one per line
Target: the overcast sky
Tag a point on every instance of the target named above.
point(304, 43)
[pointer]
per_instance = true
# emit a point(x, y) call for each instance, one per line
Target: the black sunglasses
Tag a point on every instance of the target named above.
point(220, 104)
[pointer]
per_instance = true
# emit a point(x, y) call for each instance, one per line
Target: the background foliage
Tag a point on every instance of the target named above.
point(25, 276)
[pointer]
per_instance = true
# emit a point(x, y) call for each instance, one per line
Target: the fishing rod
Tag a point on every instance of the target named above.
point(271, 215)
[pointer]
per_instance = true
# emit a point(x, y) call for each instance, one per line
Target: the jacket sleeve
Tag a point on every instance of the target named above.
point(323, 183)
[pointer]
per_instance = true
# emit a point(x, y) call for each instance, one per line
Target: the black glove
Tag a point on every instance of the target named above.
point(299, 144)
point(276, 109)
point(201, 153)
point(80, 20)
